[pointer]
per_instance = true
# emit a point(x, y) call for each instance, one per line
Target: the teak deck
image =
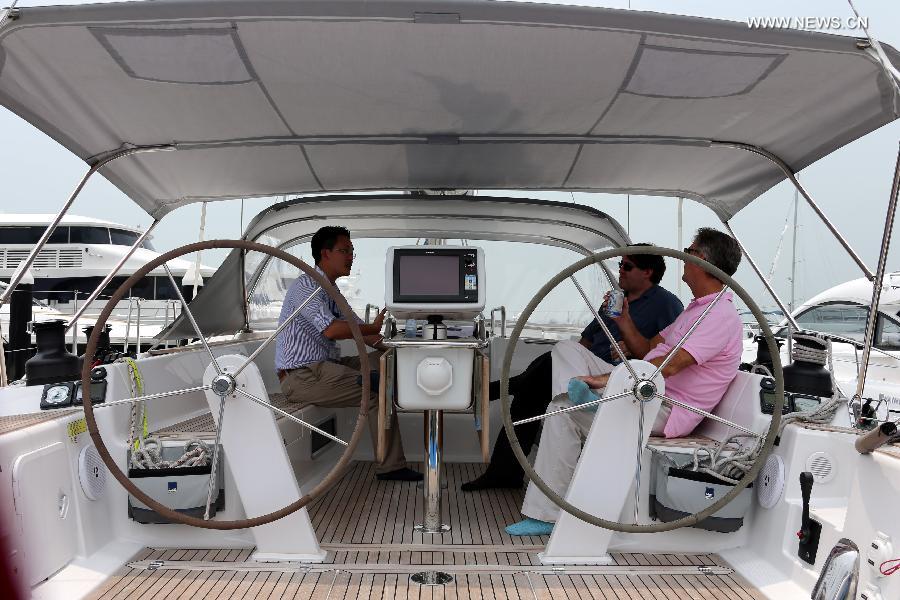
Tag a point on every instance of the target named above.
point(367, 528)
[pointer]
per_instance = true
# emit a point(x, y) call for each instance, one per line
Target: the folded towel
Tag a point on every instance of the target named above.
point(580, 393)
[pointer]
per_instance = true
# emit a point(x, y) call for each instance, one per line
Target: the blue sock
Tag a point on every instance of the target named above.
point(580, 393)
point(530, 527)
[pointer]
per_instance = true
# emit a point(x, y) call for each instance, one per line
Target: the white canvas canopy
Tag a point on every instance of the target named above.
point(221, 305)
point(275, 97)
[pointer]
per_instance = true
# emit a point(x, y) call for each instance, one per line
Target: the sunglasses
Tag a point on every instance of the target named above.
point(693, 251)
point(626, 266)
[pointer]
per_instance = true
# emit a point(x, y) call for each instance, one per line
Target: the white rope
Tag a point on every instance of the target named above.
point(149, 455)
point(146, 452)
point(732, 459)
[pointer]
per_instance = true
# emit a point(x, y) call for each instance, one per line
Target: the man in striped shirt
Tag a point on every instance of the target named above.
point(307, 357)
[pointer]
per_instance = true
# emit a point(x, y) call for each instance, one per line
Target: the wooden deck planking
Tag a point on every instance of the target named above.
point(367, 527)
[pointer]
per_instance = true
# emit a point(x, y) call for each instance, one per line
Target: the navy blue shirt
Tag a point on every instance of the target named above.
point(655, 310)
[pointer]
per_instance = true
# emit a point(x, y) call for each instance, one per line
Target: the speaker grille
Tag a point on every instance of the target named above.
point(770, 482)
point(821, 465)
point(91, 472)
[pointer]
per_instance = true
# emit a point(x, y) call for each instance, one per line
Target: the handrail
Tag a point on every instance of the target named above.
point(370, 306)
point(421, 343)
point(502, 310)
point(73, 324)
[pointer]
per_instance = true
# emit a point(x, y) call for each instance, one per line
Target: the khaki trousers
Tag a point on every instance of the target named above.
point(563, 435)
point(337, 384)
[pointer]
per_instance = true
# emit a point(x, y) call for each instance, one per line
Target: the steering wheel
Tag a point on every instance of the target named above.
point(639, 392)
point(223, 385)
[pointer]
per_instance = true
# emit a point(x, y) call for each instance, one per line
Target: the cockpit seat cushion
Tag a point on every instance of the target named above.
point(740, 405)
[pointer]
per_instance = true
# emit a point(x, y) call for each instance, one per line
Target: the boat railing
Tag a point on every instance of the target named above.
point(502, 311)
point(138, 317)
point(369, 308)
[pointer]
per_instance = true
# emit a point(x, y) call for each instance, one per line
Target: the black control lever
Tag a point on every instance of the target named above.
point(806, 483)
point(810, 530)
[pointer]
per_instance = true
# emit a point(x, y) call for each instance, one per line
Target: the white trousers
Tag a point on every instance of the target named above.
point(563, 435)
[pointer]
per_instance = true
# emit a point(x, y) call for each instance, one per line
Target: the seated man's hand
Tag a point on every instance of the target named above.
point(379, 320)
point(580, 393)
point(625, 317)
point(374, 341)
point(595, 381)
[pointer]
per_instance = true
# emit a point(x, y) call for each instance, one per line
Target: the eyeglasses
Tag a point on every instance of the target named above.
point(626, 266)
point(693, 251)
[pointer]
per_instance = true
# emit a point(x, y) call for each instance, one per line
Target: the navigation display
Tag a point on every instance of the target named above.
point(429, 275)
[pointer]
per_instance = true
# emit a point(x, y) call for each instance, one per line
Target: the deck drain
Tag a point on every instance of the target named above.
point(432, 578)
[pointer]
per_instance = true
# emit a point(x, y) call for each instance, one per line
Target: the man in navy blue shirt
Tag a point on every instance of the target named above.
point(648, 307)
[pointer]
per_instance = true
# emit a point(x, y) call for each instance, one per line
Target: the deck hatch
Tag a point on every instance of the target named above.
point(198, 56)
point(689, 73)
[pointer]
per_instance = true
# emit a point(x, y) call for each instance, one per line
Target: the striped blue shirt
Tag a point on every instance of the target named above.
point(302, 342)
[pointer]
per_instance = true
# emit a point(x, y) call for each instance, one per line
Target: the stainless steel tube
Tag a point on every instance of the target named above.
point(432, 484)
point(23, 267)
point(112, 274)
point(784, 309)
point(879, 279)
point(75, 323)
point(793, 179)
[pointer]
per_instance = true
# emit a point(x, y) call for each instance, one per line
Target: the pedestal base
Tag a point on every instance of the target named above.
point(432, 578)
point(442, 528)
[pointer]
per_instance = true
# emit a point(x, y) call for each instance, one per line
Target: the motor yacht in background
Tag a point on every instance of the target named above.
point(79, 254)
point(189, 101)
point(841, 314)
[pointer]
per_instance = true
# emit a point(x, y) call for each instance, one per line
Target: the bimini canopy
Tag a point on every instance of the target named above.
point(270, 97)
point(221, 305)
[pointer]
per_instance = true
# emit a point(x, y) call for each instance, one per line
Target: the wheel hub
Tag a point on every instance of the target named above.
point(223, 385)
point(645, 390)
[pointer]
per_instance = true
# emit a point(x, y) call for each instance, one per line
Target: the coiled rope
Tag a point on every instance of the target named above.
point(146, 452)
point(735, 456)
point(149, 455)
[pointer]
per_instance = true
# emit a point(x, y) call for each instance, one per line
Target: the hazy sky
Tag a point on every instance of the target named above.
point(852, 185)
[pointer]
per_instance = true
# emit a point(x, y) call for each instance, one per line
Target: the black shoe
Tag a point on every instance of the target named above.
point(489, 482)
point(402, 474)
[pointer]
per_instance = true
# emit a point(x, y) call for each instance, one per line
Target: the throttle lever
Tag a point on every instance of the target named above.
point(806, 483)
point(810, 529)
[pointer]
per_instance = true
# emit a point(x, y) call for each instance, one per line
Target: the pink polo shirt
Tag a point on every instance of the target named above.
point(715, 345)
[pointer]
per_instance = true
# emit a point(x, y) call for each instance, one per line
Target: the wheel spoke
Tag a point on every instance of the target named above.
point(215, 459)
point(193, 321)
point(693, 409)
point(277, 331)
point(291, 417)
point(606, 331)
point(688, 333)
point(152, 396)
point(637, 468)
point(596, 402)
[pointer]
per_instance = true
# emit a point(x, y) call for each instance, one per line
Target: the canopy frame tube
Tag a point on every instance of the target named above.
point(793, 179)
point(115, 270)
point(26, 264)
point(879, 279)
point(765, 282)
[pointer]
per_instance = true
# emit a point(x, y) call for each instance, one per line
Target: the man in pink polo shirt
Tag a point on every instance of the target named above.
point(698, 375)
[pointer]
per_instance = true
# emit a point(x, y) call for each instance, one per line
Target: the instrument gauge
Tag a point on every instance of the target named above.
point(57, 395)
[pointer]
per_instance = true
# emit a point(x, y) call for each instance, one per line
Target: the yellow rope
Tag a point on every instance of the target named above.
point(139, 388)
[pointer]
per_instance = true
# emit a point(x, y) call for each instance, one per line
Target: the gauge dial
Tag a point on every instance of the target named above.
point(57, 394)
